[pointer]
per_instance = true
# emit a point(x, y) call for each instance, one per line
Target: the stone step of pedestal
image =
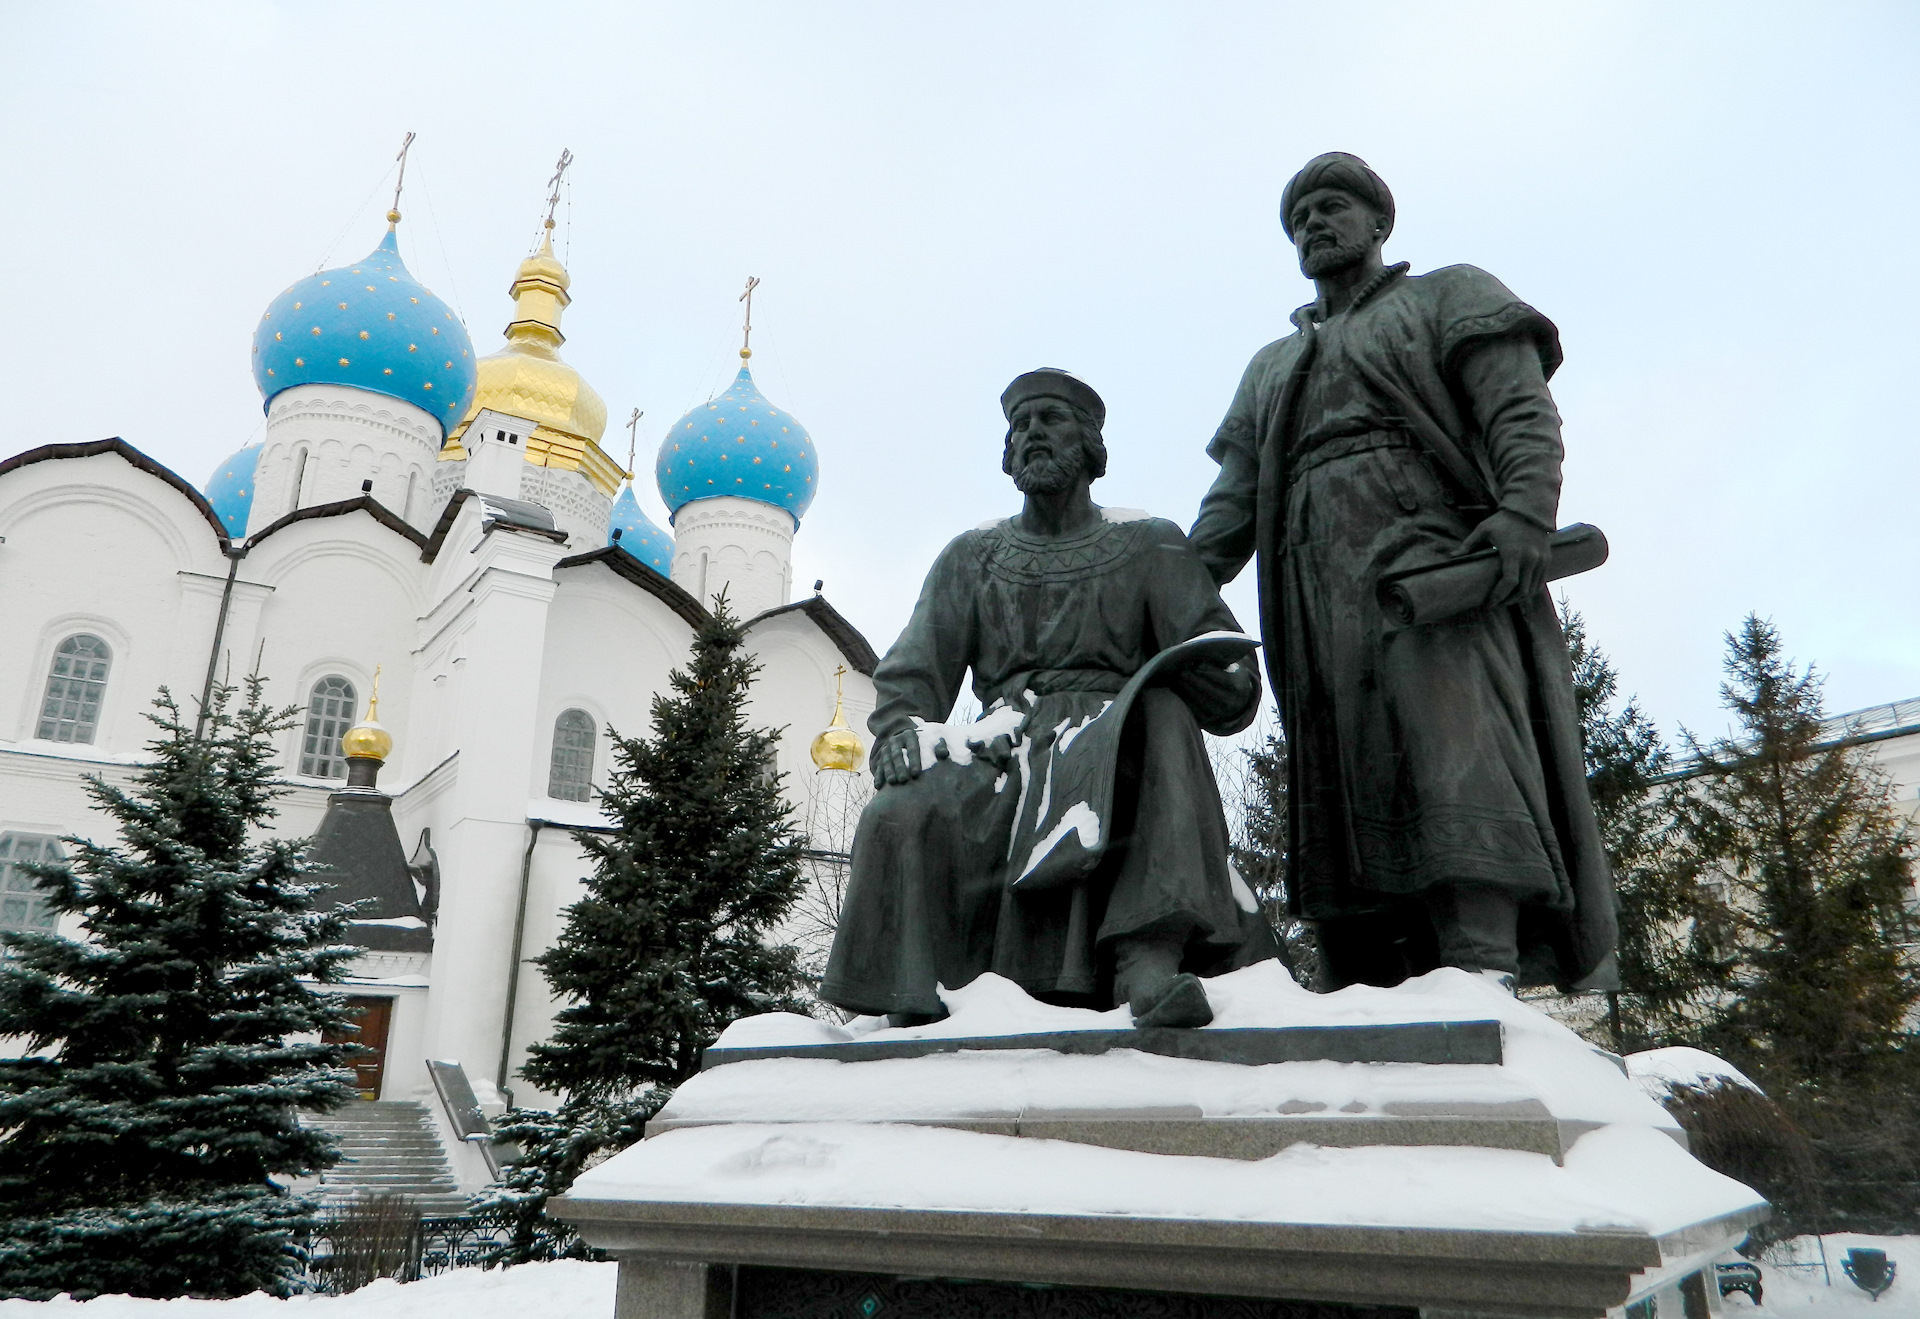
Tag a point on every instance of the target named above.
point(1526, 1126)
point(1409, 1042)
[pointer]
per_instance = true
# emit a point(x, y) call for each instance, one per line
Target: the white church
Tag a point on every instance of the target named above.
point(448, 527)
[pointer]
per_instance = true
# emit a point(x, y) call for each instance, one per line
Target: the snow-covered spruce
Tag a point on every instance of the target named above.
point(168, 1049)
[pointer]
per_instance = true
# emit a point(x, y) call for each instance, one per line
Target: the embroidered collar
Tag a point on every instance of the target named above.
point(1312, 313)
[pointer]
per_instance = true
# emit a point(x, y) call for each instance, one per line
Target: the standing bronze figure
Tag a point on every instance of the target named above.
point(957, 862)
point(1439, 812)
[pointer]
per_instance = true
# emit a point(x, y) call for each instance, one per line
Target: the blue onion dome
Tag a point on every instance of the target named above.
point(230, 489)
point(638, 536)
point(739, 444)
point(370, 325)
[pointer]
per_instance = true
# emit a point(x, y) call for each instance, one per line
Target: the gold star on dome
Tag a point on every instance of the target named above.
point(415, 301)
point(429, 384)
point(299, 361)
point(277, 336)
point(363, 334)
point(413, 347)
point(316, 329)
point(369, 287)
point(325, 282)
point(271, 371)
point(296, 306)
point(343, 306)
point(436, 329)
point(389, 315)
point(389, 371)
point(344, 362)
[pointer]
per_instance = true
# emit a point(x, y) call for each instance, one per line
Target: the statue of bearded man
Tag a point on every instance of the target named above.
point(1438, 808)
point(1054, 610)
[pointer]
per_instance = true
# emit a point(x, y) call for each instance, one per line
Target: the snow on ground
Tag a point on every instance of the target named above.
point(1800, 1292)
point(565, 1289)
point(573, 1290)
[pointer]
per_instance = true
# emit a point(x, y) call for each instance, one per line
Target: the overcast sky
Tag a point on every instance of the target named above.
point(1715, 203)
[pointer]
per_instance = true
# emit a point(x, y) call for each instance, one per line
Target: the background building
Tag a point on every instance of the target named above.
point(446, 527)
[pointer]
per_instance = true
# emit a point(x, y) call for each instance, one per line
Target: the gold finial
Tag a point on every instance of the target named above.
point(367, 740)
point(838, 747)
point(553, 197)
point(746, 326)
point(393, 211)
point(633, 440)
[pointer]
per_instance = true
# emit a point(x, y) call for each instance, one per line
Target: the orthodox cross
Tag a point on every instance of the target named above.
point(839, 694)
point(746, 326)
point(393, 212)
point(633, 438)
point(559, 173)
point(373, 701)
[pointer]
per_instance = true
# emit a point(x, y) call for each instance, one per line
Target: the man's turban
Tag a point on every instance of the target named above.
point(1337, 169)
point(1051, 382)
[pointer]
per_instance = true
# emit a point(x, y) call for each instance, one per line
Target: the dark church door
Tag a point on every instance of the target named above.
point(373, 1016)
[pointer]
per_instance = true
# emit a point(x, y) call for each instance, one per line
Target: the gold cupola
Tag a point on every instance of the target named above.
point(367, 744)
point(528, 379)
point(838, 746)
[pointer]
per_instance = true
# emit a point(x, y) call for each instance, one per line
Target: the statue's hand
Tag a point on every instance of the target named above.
point(896, 758)
point(998, 752)
point(1523, 555)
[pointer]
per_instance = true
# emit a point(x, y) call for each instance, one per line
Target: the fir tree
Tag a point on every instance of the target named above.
point(1663, 910)
point(138, 1136)
point(1260, 853)
point(1817, 864)
point(670, 944)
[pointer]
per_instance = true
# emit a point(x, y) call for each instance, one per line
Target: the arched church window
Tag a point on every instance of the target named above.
point(299, 478)
point(330, 711)
point(22, 905)
point(570, 772)
point(75, 686)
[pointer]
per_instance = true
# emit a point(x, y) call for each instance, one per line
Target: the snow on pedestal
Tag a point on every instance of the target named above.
point(1547, 1182)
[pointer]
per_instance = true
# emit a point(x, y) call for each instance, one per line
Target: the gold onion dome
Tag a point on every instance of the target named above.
point(367, 740)
point(837, 747)
point(528, 379)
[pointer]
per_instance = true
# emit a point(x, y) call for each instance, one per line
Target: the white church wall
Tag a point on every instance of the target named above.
point(322, 441)
point(556, 881)
point(796, 688)
point(346, 592)
point(97, 545)
point(741, 546)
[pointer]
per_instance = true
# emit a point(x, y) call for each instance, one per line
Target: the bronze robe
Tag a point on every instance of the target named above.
point(1372, 441)
point(1054, 627)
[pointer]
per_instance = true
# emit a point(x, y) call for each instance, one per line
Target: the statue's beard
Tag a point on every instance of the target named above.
point(1331, 258)
point(1046, 475)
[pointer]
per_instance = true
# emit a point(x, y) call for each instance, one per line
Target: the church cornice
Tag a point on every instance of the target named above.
point(625, 566)
point(852, 644)
point(134, 458)
point(379, 512)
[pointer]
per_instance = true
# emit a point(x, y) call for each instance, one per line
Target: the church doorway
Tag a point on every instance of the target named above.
point(373, 1017)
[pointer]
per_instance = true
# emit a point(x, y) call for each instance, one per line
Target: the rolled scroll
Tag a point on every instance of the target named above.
point(1435, 592)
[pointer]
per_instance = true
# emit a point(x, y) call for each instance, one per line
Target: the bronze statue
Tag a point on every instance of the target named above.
point(1072, 839)
point(1439, 812)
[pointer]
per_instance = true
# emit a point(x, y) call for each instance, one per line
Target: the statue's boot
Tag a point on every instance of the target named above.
point(1147, 977)
point(1182, 1003)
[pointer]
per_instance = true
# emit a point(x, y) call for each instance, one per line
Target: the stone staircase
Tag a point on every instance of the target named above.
point(387, 1146)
